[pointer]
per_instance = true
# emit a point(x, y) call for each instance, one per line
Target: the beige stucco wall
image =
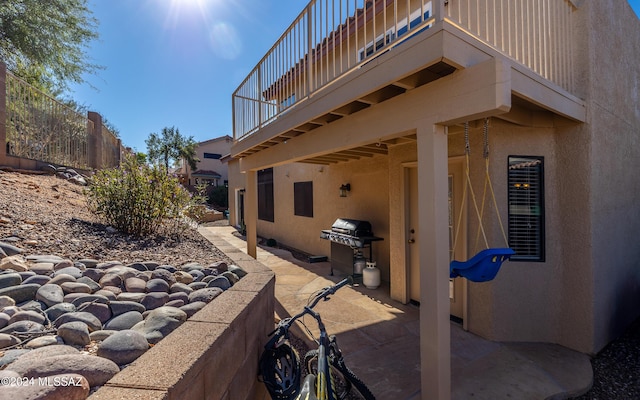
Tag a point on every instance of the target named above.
point(367, 200)
point(521, 303)
point(220, 145)
point(588, 289)
point(236, 183)
point(613, 92)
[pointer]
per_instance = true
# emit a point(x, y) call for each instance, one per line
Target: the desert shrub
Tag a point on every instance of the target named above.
point(219, 196)
point(139, 199)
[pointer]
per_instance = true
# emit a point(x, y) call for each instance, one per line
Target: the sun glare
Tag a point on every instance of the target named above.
point(181, 10)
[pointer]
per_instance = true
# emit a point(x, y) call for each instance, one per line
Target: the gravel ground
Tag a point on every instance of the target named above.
point(616, 369)
point(44, 214)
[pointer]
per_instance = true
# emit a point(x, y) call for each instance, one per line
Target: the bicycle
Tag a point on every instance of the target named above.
point(328, 377)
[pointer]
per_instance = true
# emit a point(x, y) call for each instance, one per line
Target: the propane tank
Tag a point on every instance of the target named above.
point(359, 262)
point(371, 276)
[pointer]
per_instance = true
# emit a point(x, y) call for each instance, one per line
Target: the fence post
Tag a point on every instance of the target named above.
point(118, 151)
point(95, 145)
point(3, 113)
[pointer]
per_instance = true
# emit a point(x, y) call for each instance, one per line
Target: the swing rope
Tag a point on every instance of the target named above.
point(464, 192)
point(488, 180)
point(475, 203)
point(484, 265)
point(469, 187)
point(488, 185)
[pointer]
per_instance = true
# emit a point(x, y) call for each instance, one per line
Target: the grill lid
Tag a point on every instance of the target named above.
point(352, 227)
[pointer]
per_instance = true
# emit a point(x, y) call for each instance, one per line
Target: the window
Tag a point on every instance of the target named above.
point(265, 194)
point(214, 156)
point(414, 19)
point(526, 208)
point(303, 199)
point(288, 102)
point(381, 41)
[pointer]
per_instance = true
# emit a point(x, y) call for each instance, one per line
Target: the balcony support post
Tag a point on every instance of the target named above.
point(433, 242)
point(251, 212)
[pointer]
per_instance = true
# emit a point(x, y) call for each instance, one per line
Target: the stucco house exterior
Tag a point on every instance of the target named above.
point(382, 94)
point(211, 170)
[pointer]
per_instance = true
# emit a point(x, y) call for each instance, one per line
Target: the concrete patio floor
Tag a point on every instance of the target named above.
point(380, 338)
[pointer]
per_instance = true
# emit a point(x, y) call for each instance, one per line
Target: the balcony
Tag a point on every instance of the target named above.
point(332, 44)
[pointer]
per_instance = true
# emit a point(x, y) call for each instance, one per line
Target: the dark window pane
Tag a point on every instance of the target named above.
point(303, 198)
point(265, 195)
point(526, 208)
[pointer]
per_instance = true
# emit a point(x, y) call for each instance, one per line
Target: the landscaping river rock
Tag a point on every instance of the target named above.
point(79, 322)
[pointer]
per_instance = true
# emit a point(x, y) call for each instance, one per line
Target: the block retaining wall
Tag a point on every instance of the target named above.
point(214, 354)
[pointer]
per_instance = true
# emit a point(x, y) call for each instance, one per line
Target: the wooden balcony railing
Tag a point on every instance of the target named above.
point(332, 37)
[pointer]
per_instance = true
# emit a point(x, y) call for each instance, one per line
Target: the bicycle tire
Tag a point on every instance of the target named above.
point(350, 377)
point(342, 384)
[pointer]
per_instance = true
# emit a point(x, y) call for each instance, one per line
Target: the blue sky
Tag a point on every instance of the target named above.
point(177, 62)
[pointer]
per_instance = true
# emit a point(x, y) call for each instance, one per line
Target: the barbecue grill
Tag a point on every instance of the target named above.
point(347, 237)
point(350, 232)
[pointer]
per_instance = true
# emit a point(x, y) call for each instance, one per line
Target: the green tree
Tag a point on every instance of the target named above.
point(170, 146)
point(141, 158)
point(188, 153)
point(45, 42)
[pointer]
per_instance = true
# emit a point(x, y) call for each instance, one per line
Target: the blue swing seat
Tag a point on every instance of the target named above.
point(482, 267)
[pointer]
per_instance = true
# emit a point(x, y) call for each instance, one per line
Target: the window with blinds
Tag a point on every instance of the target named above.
point(526, 208)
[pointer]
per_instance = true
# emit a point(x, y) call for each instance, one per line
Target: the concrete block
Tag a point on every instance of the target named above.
point(253, 265)
point(255, 282)
point(229, 306)
point(111, 393)
point(178, 357)
point(244, 379)
point(192, 387)
point(223, 363)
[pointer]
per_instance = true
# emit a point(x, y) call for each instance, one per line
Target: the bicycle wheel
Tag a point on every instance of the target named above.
point(345, 379)
point(347, 374)
point(342, 385)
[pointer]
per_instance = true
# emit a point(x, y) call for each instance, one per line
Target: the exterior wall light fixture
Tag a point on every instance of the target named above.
point(344, 188)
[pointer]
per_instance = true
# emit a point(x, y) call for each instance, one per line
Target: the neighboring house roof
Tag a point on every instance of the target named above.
point(225, 137)
point(203, 173)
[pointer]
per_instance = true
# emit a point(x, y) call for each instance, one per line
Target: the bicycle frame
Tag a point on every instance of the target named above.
point(325, 384)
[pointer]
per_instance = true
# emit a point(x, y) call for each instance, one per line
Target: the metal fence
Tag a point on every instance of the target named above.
point(38, 127)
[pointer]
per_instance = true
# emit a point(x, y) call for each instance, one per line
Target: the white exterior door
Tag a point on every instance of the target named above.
point(457, 288)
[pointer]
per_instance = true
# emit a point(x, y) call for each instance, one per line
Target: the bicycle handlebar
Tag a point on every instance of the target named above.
point(283, 325)
point(328, 291)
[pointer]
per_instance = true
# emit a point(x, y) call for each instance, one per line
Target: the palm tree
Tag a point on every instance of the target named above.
point(171, 146)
